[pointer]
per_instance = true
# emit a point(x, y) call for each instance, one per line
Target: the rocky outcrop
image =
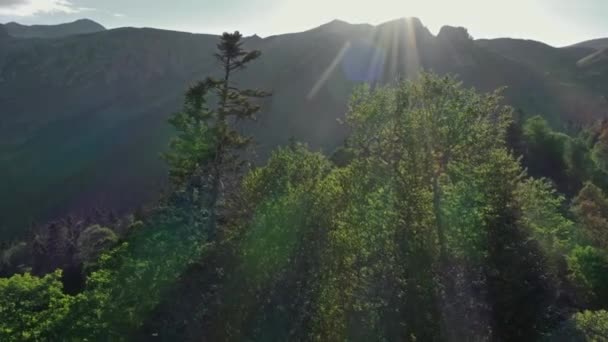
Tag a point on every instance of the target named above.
point(455, 35)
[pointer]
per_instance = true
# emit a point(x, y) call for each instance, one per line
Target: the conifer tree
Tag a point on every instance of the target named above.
point(205, 157)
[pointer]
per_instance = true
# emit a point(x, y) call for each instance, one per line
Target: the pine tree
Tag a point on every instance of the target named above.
point(207, 153)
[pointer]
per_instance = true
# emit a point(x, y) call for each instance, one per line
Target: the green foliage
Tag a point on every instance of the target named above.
point(586, 326)
point(126, 285)
point(542, 215)
point(474, 196)
point(360, 260)
point(593, 325)
point(206, 140)
point(195, 142)
point(205, 159)
point(431, 220)
point(590, 207)
point(132, 280)
point(579, 164)
point(512, 283)
point(570, 161)
point(206, 168)
point(424, 227)
point(589, 271)
point(545, 150)
point(281, 193)
point(93, 241)
point(278, 251)
point(287, 170)
point(33, 309)
point(342, 156)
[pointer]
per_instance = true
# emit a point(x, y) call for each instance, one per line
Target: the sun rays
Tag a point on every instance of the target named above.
point(329, 71)
point(388, 52)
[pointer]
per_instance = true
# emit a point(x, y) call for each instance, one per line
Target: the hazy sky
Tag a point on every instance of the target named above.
point(557, 22)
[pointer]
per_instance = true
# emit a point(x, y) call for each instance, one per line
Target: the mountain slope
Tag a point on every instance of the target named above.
point(4, 37)
point(84, 117)
point(575, 92)
point(81, 26)
point(598, 58)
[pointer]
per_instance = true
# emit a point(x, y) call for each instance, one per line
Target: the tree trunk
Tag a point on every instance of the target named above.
point(215, 193)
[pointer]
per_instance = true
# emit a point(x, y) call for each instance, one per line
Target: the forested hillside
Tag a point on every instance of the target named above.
point(445, 214)
point(83, 117)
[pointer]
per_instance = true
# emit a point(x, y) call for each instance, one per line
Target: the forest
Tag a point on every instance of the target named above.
point(446, 215)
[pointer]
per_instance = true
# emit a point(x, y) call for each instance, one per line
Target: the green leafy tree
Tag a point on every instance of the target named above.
point(413, 136)
point(590, 207)
point(128, 283)
point(280, 247)
point(586, 326)
point(33, 309)
point(427, 125)
point(435, 154)
point(579, 164)
point(92, 242)
point(544, 151)
point(589, 272)
point(542, 214)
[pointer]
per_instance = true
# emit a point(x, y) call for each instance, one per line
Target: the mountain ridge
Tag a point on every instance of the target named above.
point(597, 44)
point(80, 26)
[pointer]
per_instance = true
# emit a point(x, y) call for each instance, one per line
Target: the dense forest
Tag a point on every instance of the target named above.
point(446, 215)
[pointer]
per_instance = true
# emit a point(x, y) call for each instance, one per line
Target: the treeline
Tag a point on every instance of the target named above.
point(441, 218)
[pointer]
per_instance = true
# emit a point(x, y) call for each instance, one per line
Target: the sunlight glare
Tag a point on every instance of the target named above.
point(482, 18)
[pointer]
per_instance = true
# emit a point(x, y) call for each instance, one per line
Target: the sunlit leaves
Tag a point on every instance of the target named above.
point(32, 308)
point(541, 212)
point(589, 272)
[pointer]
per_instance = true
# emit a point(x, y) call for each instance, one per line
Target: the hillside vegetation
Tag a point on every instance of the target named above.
point(443, 215)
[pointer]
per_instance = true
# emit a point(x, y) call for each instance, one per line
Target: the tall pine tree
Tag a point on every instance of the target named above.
point(206, 156)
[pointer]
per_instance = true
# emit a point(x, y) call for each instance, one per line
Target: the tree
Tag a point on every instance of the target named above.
point(544, 151)
point(541, 214)
point(206, 165)
point(580, 166)
point(279, 249)
point(433, 160)
point(600, 149)
point(16, 258)
point(590, 207)
point(32, 308)
point(205, 157)
point(589, 272)
point(584, 326)
point(92, 242)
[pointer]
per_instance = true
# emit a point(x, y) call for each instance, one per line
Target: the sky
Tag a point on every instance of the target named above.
point(556, 22)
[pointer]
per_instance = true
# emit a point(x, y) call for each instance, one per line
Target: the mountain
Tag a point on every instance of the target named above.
point(597, 44)
point(84, 116)
point(81, 26)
